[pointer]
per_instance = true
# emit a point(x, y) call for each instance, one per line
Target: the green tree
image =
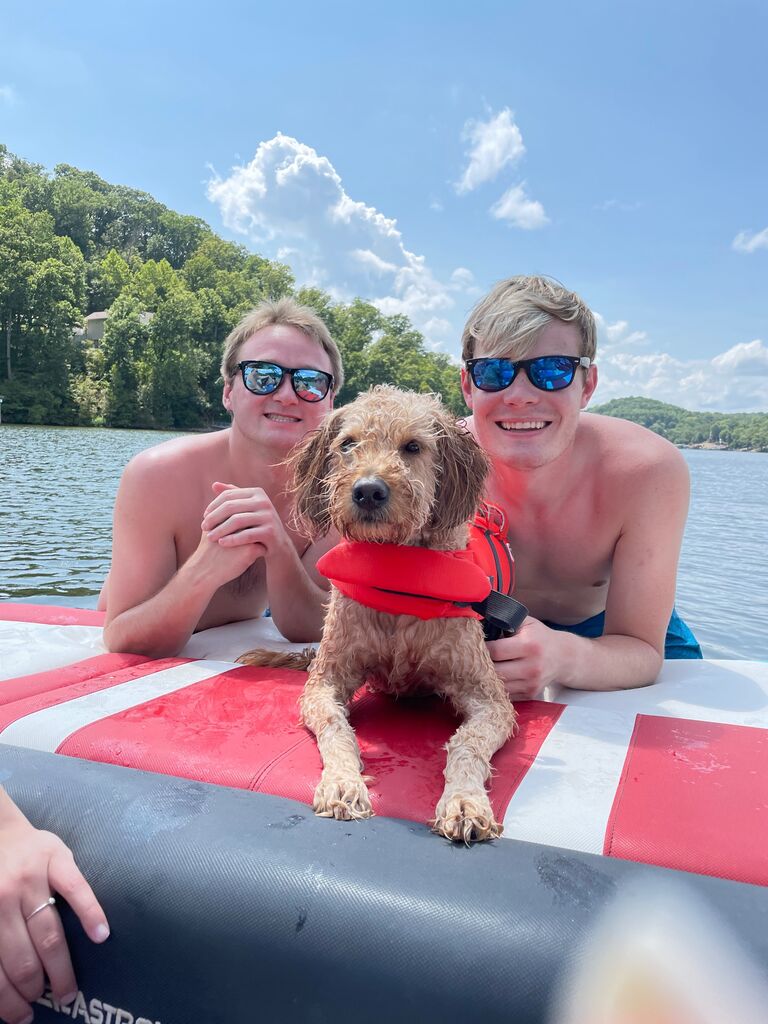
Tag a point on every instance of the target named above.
point(173, 364)
point(107, 278)
point(25, 240)
point(124, 342)
point(154, 283)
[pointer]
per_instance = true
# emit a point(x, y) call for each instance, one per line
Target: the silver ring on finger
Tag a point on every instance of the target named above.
point(48, 903)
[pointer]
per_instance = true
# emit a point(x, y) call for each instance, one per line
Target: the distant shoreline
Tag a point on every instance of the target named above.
point(711, 446)
point(686, 428)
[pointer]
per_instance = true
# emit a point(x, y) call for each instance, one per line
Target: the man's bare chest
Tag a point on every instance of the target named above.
point(564, 549)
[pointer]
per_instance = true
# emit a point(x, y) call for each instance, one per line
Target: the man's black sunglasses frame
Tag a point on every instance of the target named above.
point(268, 366)
point(530, 366)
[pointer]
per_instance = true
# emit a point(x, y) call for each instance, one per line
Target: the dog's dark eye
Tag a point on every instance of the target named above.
point(347, 444)
point(412, 447)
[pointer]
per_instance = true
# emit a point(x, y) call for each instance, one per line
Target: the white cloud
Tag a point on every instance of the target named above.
point(611, 337)
point(519, 210)
point(746, 242)
point(494, 144)
point(748, 357)
point(464, 280)
point(618, 204)
point(369, 259)
point(290, 202)
point(7, 95)
point(438, 332)
point(733, 381)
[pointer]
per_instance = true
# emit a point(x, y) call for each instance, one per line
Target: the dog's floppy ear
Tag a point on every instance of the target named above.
point(464, 469)
point(308, 463)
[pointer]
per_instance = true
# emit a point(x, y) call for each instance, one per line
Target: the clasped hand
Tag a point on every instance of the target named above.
point(240, 525)
point(527, 661)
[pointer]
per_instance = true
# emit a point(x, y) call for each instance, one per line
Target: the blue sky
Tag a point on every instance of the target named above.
point(414, 154)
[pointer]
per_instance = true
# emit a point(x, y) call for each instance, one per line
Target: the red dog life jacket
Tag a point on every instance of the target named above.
point(403, 580)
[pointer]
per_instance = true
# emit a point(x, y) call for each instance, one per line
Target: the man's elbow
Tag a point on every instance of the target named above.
point(120, 640)
point(651, 665)
point(299, 632)
point(301, 636)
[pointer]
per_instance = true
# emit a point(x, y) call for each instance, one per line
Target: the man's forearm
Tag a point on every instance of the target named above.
point(161, 626)
point(296, 602)
point(607, 663)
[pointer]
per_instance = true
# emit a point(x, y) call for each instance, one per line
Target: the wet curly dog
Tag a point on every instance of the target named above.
point(394, 467)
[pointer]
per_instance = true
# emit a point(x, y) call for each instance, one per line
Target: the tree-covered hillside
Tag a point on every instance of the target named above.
point(71, 244)
point(735, 430)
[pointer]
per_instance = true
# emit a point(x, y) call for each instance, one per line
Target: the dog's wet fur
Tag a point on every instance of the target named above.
point(395, 467)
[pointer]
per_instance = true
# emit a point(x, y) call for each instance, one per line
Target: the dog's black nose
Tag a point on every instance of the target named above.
point(370, 492)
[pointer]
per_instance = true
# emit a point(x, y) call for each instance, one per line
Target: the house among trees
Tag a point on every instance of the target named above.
point(94, 325)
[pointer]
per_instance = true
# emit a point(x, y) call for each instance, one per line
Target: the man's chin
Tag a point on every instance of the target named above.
point(526, 450)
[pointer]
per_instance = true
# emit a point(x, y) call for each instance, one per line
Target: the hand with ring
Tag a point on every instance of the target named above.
point(33, 865)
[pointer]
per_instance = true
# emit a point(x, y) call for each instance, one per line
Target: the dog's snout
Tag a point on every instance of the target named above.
point(370, 492)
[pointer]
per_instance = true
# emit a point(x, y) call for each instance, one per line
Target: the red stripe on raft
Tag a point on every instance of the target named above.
point(50, 614)
point(53, 679)
point(694, 796)
point(225, 729)
point(402, 743)
point(14, 710)
point(242, 729)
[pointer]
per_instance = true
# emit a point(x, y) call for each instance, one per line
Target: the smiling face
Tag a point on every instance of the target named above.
point(522, 426)
point(278, 420)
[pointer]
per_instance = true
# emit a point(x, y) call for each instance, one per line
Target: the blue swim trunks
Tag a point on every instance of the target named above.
point(680, 641)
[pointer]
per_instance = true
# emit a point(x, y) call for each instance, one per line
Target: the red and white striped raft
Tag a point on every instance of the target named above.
point(675, 774)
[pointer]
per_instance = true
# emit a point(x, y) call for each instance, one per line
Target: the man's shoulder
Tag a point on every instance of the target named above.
point(626, 448)
point(180, 453)
point(176, 469)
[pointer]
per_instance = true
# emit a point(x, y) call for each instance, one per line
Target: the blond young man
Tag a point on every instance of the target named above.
point(596, 506)
point(202, 532)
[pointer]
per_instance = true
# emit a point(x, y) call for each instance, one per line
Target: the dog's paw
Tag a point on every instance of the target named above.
point(343, 799)
point(466, 819)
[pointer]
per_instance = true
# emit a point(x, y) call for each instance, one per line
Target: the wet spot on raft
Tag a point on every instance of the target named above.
point(290, 822)
point(572, 882)
point(163, 811)
point(302, 920)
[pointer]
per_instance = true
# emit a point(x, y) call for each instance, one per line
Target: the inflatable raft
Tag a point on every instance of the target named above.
point(183, 787)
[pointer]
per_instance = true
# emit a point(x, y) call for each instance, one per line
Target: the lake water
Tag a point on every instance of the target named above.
point(58, 484)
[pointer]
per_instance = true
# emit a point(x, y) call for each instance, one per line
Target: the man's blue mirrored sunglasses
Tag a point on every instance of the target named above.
point(547, 373)
point(262, 378)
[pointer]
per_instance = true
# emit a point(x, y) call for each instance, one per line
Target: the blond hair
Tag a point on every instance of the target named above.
point(285, 312)
point(511, 315)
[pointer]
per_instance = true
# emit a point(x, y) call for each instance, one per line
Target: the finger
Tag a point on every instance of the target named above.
point(221, 491)
point(506, 649)
point(19, 958)
point(13, 1008)
point(65, 877)
point(230, 509)
point(47, 934)
point(217, 501)
point(254, 496)
point(254, 536)
point(218, 487)
point(238, 524)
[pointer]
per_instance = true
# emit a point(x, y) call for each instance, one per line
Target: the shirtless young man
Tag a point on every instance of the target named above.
point(202, 532)
point(595, 506)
